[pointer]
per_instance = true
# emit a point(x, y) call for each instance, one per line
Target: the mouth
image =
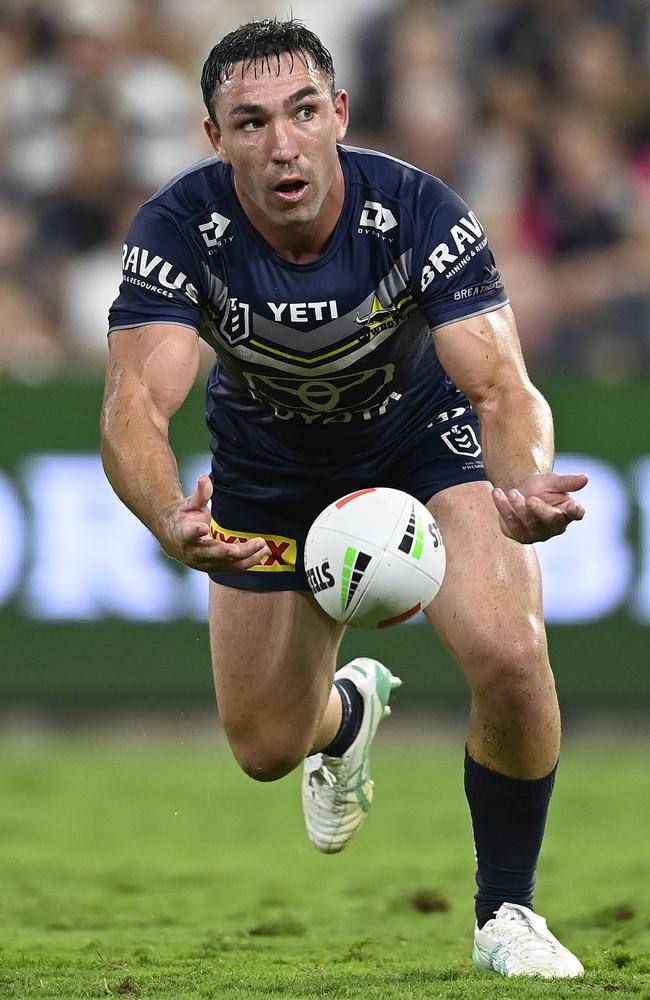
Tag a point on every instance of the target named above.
point(291, 189)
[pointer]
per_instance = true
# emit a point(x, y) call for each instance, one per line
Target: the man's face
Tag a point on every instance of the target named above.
point(279, 132)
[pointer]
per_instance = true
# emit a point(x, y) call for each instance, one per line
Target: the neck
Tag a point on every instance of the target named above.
point(300, 244)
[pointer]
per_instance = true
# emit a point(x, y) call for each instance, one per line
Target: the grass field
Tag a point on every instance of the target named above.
point(150, 867)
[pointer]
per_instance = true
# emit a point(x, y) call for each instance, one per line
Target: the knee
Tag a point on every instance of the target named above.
point(267, 760)
point(514, 672)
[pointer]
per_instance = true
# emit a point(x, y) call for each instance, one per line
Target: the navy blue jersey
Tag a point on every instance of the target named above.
point(324, 358)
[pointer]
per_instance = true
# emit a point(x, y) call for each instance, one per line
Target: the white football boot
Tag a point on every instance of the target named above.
point(337, 791)
point(517, 942)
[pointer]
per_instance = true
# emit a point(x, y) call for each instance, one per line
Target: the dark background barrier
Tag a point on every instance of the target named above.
point(90, 611)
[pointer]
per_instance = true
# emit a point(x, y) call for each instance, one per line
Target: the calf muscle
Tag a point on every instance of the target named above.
point(489, 614)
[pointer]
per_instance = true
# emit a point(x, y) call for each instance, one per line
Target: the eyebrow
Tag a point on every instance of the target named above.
point(255, 109)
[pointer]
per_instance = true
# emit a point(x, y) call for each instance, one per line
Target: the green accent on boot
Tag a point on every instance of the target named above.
point(384, 677)
point(492, 960)
point(364, 802)
point(355, 666)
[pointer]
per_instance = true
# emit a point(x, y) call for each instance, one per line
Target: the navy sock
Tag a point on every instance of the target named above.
point(351, 719)
point(508, 818)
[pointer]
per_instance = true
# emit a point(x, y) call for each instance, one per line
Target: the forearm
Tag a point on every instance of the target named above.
point(139, 461)
point(516, 433)
point(483, 357)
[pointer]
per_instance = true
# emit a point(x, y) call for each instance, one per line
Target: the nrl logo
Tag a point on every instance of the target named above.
point(462, 440)
point(232, 319)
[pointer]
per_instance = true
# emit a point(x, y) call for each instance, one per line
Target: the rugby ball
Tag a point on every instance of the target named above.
point(374, 558)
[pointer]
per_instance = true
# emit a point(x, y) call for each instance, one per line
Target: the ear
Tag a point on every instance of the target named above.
point(214, 138)
point(342, 112)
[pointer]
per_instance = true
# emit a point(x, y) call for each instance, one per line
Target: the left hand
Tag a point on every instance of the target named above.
point(541, 507)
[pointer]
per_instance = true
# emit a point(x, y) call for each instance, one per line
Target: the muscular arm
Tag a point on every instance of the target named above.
point(483, 357)
point(150, 373)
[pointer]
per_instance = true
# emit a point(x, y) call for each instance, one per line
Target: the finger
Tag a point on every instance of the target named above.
point(526, 522)
point(518, 503)
point(239, 551)
point(199, 499)
point(572, 509)
point(569, 483)
point(220, 557)
point(501, 501)
point(535, 518)
point(523, 510)
point(234, 552)
point(552, 519)
point(205, 483)
point(254, 560)
point(509, 518)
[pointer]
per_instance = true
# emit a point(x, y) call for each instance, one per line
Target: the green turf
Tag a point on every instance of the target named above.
point(153, 868)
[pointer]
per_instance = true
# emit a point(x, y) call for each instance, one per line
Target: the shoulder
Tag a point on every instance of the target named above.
point(187, 215)
point(394, 178)
point(167, 241)
point(188, 195)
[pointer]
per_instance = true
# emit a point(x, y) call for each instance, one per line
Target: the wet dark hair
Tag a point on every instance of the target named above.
point(260, 44)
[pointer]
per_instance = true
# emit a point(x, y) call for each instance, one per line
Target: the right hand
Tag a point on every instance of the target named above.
point(186, 536)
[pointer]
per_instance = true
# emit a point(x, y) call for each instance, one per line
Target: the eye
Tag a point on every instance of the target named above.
point(252, 125)
point(306, 113)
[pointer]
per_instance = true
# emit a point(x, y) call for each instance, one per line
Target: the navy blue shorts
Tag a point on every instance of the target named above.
point(277, 499)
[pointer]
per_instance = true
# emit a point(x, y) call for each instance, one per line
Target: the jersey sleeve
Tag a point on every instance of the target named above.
point(454, 273)
point(160, 276)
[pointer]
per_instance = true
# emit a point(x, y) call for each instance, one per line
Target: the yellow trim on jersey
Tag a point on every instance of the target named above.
point(282, 555)
point(370, 323)
point(305, 361)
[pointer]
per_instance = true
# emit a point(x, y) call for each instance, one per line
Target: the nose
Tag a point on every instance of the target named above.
point(284, 146)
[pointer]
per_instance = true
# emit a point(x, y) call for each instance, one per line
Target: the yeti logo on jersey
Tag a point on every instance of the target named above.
point(375, 216)
point(305, 312)
point(451, 257)
point(213, 230)
point(462, 440)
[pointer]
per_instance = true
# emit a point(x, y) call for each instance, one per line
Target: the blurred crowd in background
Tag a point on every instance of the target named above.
point(536, 111)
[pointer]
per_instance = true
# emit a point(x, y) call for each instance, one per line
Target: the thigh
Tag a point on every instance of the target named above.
point(490, 604)
point(274, 658)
